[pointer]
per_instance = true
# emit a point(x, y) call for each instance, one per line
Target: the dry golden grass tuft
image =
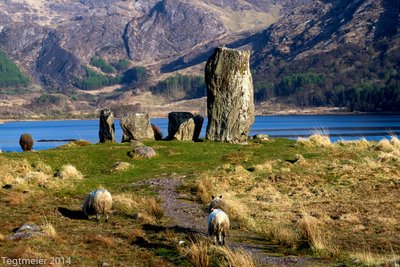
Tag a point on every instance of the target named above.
point(320, 140)
point(234, 258)
point(312, 231)
point(120, 166)
point(144, 218)
point(395, 142)
point(205, 188)
point(357, 144)
point(15, 198)
point(264, 167)
point(100, 240)
point(371, 259)
point(385, 146)
point(74, 144)
point(152, 208)
point(238, 211)
point(125, 202)
point(199, 254)
point(2, 237)
point(70, 172)
point(393, 156)
point(49, 230)
point(315, 140)
point(280, 233)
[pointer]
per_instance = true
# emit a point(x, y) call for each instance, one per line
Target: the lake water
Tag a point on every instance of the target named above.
point(338, 127)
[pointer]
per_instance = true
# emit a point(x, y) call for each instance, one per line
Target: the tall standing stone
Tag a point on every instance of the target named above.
point(230, 99)
point(107, 128)
point(136, 126)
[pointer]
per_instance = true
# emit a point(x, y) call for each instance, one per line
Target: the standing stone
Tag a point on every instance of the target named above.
point(136, 126)
point(184, 126)
point(107, 128)
point(26, 142)
point(230, 100)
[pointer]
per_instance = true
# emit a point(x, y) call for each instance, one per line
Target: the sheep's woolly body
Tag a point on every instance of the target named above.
point(98, 202)
point(218, 225)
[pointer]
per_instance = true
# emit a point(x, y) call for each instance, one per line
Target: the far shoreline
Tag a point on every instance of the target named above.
point(293, 112)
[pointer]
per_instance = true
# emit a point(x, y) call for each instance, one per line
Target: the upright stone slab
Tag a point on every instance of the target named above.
point(230, 99)
point(136, 126)
point(180, 126)
point(107, 128)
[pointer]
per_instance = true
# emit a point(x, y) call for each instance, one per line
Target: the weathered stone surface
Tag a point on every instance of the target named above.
point(136, 127)
point(230, 100)
point(185, 131)
point(183, 125)
point(107, 128)
point(142, 152)
point(26, 142)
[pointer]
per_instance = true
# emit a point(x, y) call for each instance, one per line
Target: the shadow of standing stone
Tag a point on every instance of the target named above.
point(230, 99)
point(107, 128)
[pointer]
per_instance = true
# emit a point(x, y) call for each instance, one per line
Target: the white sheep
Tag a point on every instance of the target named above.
point(218, 225)
point(97, 202)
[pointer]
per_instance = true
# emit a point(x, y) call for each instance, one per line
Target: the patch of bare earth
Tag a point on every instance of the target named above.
point(183, 212)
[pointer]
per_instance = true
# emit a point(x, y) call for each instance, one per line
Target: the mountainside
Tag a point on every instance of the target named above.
point(343, 53)
point(304, 53)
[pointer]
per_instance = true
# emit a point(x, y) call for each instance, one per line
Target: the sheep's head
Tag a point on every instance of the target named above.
point(217, 203)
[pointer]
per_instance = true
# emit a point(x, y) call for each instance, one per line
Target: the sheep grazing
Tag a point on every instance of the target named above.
point(217, 203)
point(98, 202)
point(218, 225)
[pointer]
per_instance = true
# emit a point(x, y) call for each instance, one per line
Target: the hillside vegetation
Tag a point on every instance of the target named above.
point(335, 202)
point(10, 75)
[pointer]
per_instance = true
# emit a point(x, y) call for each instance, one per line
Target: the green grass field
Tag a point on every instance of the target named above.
point(308, 198)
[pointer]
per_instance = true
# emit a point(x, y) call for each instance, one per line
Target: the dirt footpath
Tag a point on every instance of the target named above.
point(184, 213)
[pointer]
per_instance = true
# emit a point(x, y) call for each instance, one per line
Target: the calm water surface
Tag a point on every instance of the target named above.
point(347, 127)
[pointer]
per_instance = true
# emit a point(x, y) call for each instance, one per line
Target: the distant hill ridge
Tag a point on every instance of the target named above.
point(304, 53)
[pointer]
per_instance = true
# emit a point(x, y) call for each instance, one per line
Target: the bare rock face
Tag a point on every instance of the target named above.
point(184, 126)
point(107, 128)
point(26, 142)
point(230, 99)
point(136, 127)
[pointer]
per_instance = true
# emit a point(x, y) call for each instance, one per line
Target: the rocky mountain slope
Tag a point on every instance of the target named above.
point(352, 46)
point(331, 46)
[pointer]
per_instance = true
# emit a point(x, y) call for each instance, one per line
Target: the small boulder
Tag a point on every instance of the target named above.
point(26, 142)
point(107, 128)
point(142, 152)
point(262, 137)
point(27, 230)
point(136, 126)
